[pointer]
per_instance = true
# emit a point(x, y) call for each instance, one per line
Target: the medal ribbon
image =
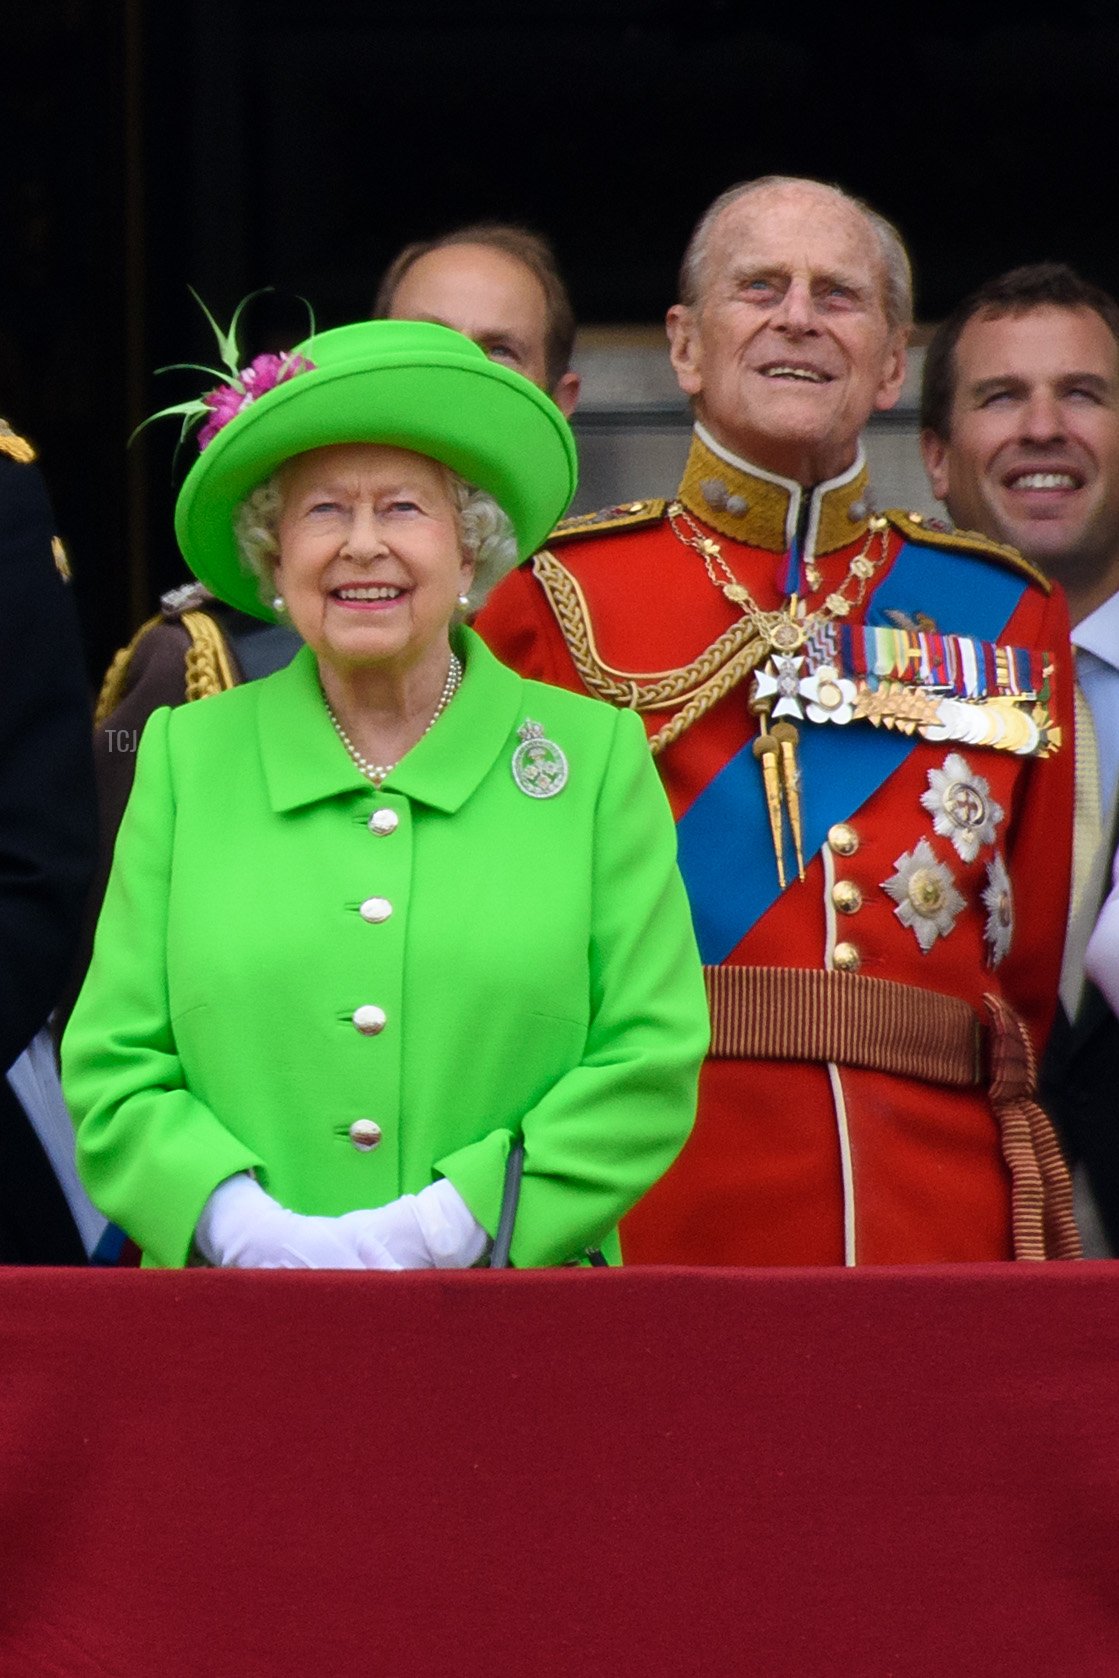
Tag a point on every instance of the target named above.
point(725, 851)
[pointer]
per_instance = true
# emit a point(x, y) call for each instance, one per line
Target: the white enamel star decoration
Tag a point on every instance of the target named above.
point(780, 683)
point(925, 893)
point(961, 806)
point(999, 900)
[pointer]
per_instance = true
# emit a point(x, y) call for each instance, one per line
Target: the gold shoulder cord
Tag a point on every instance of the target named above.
point(695, 687)
point(112, 688)
point(208, 670)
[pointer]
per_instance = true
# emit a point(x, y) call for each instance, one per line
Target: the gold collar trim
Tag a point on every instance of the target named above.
point(763, 511)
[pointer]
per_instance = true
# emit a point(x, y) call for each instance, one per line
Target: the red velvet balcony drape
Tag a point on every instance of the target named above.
point(719, 1472)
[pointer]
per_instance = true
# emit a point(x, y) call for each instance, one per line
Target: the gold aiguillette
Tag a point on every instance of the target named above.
point(787, 737)
point(767, 750)
point(776, 750)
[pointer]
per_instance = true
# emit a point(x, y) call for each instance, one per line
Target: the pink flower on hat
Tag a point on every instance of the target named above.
point(262, 374)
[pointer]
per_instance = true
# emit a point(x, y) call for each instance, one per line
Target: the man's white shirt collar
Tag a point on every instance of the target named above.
point(1098, 633)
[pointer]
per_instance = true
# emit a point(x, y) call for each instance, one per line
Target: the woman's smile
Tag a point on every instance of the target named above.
point(367, 596)
point(370, 564)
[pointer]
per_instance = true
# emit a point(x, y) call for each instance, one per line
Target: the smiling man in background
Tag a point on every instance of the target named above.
point(1020, 434)
point(857, 722)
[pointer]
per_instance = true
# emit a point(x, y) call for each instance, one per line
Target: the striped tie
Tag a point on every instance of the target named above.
point(1088, 858)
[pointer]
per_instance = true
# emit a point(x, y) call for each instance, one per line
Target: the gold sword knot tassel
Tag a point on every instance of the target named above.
point(767, 750)
point(787, 737)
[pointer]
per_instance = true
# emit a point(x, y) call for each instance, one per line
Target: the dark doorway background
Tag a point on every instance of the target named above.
point(230, 144)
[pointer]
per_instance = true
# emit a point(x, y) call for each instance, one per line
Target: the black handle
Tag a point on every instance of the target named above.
point(511, 1194)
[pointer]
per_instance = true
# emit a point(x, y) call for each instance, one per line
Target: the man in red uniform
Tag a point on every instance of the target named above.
point(864, 728)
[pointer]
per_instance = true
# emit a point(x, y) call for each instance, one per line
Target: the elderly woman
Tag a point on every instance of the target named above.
point(377, 918)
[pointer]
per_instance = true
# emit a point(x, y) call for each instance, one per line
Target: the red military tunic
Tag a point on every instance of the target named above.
point(823, 1161)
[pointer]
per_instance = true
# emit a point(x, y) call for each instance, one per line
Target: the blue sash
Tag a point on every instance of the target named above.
point(725, 848)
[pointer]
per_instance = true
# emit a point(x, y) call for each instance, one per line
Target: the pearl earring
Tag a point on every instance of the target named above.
point(277, 603)
point(464, 600)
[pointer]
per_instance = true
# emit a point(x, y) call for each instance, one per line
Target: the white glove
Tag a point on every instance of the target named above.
point(434, 1229)
point(242, 1227)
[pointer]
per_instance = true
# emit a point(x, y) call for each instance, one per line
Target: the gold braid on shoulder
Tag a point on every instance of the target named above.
point(207, 666)
point(693, 687)
point(112, 688)
point(208, 670)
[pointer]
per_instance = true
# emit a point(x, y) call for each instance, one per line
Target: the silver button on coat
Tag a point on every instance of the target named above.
point(369, 1019)
point(365, 1134)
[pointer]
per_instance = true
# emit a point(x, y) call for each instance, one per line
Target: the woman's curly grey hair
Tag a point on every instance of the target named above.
point(485, 531)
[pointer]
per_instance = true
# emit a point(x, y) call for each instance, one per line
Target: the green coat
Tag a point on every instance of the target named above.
point(536, 968)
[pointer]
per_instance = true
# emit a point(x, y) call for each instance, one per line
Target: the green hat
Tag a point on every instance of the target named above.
point(407, 384)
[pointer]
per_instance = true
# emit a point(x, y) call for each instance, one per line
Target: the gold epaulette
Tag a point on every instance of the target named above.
point(627, 515)
point(15, 446)
point(918, 528)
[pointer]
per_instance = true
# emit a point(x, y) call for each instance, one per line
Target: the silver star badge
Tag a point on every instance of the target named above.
point(999, 900)
point(539, 766)
point(925, 893)
point(961, 807)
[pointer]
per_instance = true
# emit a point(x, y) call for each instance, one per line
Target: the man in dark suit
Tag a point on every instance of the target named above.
point(1020, 434)
point(47, 833)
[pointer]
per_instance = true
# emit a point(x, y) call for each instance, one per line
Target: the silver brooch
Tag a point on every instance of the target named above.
point(539, 766)
point(999, 900)
point(961, 807)
point(925, 894)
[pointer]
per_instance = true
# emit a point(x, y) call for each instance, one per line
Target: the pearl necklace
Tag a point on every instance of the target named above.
point(378, 772)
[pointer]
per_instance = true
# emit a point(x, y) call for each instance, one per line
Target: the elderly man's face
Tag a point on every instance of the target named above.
point(787, 353)
point(1032, 453)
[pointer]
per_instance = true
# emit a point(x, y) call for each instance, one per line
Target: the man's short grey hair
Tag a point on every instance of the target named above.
point(897, 297)
point(485, 531)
